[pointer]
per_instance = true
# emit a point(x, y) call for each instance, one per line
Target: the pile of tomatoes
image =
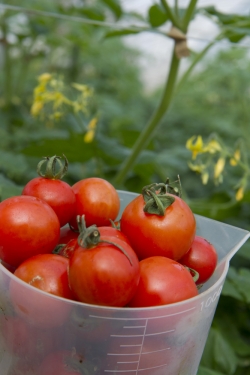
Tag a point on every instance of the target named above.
point(67, 241)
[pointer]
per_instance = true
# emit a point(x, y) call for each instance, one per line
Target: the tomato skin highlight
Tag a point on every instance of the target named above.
point(28, 226)
point(57, 193)
point(103, 275)
point(170, 235)
point(202, 257)
point(162, 281)
point(97, 199)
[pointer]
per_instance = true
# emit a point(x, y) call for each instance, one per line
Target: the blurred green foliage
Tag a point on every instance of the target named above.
point(214, 99)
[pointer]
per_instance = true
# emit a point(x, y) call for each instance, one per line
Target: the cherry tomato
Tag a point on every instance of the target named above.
point(202, 257)
point(97, 199)
point(62, 363)
point(28, 226)
point(47, 272)
point(58, 194)
point(103, 274)
point(67, 234)
point(170, 235)
point(68, 249)
point(162, 281)
point(50, 188)
point(113, 232)
point(24, 339)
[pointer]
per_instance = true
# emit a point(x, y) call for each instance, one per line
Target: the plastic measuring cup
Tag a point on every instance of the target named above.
point(45, 330)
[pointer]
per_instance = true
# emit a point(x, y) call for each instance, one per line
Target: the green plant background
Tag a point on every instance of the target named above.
point(213, 99)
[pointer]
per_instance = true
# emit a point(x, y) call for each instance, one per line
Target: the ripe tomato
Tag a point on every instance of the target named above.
point(97, 199)
point(62, 363)
point(50, 188)
point(25, 340)
point(113, 232)
point(58, 194)
point(47, 272)
point(28, 226)
point(103, 274)
point(170, 235)
point(162, 281)
point(67, 234)
point(202, 257)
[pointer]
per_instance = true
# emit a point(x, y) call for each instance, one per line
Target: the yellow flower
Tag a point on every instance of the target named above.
point(219, 167)
point(212, 146)
point(236, 158)
point(36, 108)
point(239, 194)
point(86, 90)
point(205, 177)
point(199, 168)
point(89, 136)
point(195, 147)
point(45, 77)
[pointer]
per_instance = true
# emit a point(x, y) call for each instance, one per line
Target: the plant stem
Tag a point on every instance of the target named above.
point(173, 18)
point(188, 15)
point(7, 69)
point(193, 64)
point(146, 134)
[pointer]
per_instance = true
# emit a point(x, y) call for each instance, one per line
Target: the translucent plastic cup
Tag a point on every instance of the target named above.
point(41, 331)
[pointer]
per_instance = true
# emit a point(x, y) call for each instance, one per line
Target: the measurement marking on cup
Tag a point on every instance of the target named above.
point(137, 370)
point(150, 318)
point(211, 299)
point(144, 334)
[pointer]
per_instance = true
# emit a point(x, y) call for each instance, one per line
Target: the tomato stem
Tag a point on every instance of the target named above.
point(156, 199)
point(90, 237)
point(51, 166)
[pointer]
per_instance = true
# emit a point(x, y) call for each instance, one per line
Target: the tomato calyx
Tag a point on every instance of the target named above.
point(156, 199)
point(195, 275)
point(174, 187)
point(90, 237)
point(55, 169)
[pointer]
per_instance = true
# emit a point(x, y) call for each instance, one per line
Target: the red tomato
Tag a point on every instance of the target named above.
point(58, 194)
point(23, 339)
point(202, 257)
point(162, 281)
point(170, 235)
point(112, 232)
point(103, 275)
point(62, 363)
point(47, 272)
point(97, 199)
point(70, 246)
point(67, 234)
point(68, 249)
point(28, 226)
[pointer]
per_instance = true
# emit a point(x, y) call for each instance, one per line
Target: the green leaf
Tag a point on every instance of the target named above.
point(233, 335)
point(73, 148)
point(218, 354)
point(206, 371)
point(157, 16)
point(123, 32)
point(239, 284)
point(114, 7)
point(93, 14)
